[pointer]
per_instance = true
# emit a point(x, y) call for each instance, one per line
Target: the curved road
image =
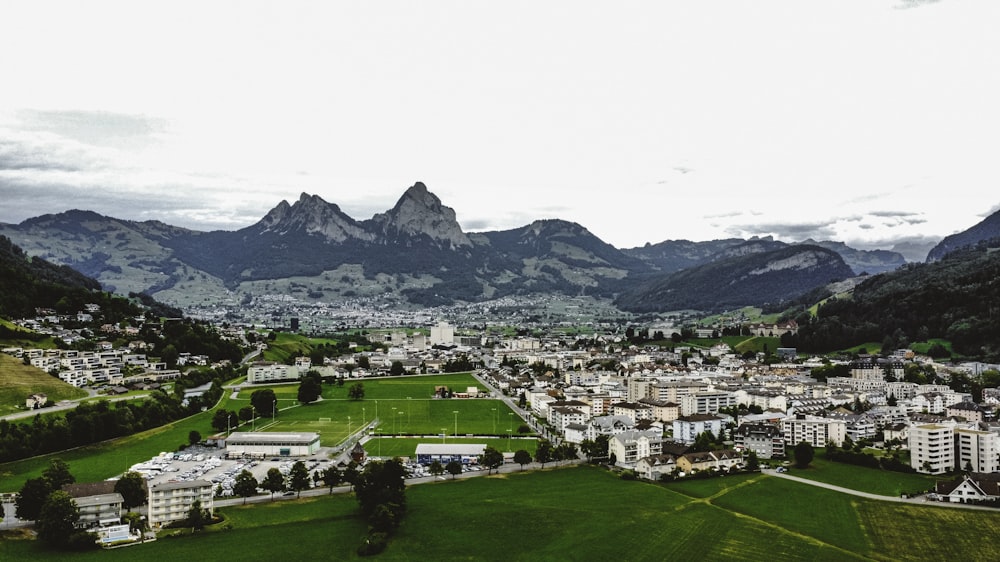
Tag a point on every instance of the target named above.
point(917, 500)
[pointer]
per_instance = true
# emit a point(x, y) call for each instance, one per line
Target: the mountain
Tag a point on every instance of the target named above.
point(753, 279)
point(956, 298)
point(987, 229)
point(675, 255)
point(414, 253)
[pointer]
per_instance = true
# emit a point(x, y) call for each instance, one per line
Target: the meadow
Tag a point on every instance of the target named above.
point(874, 481)
point(587, 513)
point(18, 381)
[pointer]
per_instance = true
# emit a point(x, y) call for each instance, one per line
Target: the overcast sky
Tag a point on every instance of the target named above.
point(864, 121)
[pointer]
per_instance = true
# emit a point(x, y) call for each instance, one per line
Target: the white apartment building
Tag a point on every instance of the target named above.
point(687, 428)
point(631, 446)
point(706, 402)
point(814, 430)
point(171, 501)
point(932, 447)
point(978, 449)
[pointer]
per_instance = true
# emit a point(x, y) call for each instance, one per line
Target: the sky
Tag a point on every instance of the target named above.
point(863, 121)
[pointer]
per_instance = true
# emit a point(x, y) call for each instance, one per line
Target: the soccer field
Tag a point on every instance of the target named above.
point(401, 406)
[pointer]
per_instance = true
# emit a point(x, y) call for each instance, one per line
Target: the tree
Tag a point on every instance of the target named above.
point(753, 463)
point(522, 457)
point(332, 477)
point(263, 401)
point(31, 498)
point(803, 454)
point(436, 468)
point(194, 437)
point(245, 485)
point(397, 369)
point(246, 413)
point(491, 459)
point(454, 468)
point(299, 478)
point(381, 492)
point(543, 453)
point(132, 487)
point(352, 474)
point(223, 419)
point(310, 390)
point(357, 391)
point(58, 474)
point(273, 482)
point(57, 519)
point(197, 517)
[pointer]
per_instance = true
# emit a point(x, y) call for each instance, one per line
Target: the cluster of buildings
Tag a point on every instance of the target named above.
point(110, 367)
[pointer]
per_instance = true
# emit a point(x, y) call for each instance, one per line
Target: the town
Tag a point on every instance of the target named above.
point(646, 405)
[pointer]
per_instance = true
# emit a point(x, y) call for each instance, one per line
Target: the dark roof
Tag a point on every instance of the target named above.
point(85, 489)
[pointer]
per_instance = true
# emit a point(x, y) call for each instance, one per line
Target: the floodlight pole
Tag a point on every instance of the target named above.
point(456, 421)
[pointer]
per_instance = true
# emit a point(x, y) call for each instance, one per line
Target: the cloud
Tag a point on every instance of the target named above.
point(98, 128)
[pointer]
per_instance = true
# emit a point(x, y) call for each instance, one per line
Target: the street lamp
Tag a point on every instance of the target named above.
point(274, 410)
point(456, 421)
point(394, 420)
point(444, 432)
point(253, 421)
point(510, 420)
point(493, 417)
point(508, 440)
point(400, 413)
point(348, 428)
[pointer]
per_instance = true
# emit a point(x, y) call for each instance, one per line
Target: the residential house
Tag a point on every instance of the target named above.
point(98, 503)
point(973, 487)
point(653, 467)
point(724, 460)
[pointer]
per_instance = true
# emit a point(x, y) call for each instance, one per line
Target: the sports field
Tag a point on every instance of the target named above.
point(401, 406)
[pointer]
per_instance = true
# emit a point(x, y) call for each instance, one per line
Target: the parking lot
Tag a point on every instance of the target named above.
point(209, 463)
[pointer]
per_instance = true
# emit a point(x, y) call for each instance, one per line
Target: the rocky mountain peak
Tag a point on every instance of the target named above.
point(419, 211)
point(312, 215)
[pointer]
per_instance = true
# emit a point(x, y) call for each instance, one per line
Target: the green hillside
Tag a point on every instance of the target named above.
point(18, 381)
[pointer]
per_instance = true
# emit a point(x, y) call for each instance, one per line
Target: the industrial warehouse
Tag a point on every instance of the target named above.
point(268, 444)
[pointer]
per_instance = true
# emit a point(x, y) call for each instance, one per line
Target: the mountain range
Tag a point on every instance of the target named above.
point(418, 253)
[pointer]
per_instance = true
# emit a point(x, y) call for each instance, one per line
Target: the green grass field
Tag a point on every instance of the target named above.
point(882, 482)
point(18, 381)
point(585, 513)
point(402, 405)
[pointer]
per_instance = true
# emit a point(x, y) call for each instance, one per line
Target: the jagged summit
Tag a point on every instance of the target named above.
point(312, 215)
point(418, 212)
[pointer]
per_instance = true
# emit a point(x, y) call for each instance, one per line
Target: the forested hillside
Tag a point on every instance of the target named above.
point(956, 298)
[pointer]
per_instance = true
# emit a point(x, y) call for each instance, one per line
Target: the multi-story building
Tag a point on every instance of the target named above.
point(687, 428)
point(764, 439)
point(630, 446)
point(932, 448)
point(706, 402)
point(172, 501)
point(814, 430)
point(976, 450)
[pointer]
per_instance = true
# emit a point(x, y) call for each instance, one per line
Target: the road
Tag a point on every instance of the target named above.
point(916, 500)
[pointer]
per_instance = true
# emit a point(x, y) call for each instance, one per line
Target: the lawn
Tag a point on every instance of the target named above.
point(586, 513)
point(18, 381)
point(874, 481)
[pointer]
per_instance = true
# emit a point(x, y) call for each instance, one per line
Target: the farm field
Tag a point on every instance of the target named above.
point(551, 515)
